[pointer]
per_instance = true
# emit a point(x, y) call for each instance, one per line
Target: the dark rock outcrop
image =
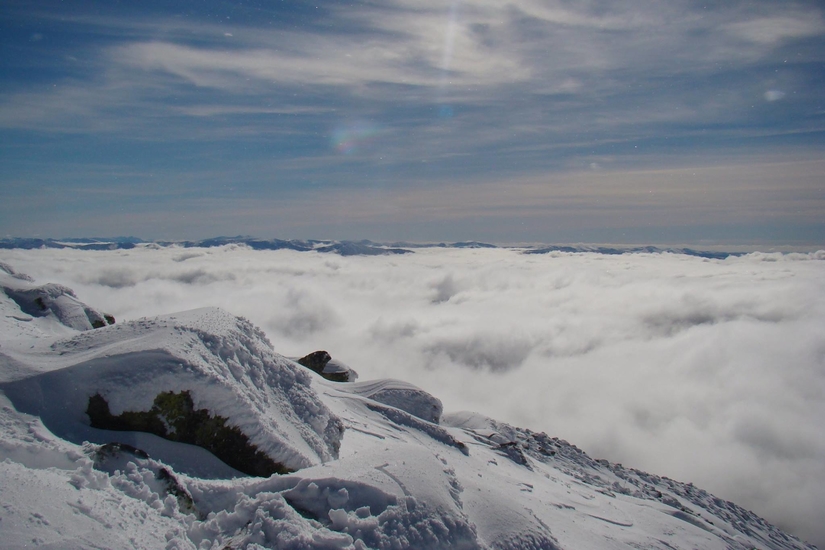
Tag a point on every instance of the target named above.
point(115, 456)
point(315, 361)
point(322, 363)
point(115, 449)
point(173, 416)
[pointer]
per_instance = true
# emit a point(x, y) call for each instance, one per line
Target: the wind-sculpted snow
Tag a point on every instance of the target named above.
point(225, 363)
point(9, 270)
point(377, 465)
point(722, 519)
point(401, 395)
point(50, 299)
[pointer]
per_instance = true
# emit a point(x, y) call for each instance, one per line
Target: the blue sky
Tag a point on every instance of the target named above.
point(529, 120)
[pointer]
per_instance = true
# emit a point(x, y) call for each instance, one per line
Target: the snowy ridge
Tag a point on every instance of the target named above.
point(722, 519)
point(377, 464)
point(52, 300)
point(226, 364)
point(400, 395)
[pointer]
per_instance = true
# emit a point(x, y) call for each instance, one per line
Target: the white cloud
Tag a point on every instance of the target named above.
point(706, 371)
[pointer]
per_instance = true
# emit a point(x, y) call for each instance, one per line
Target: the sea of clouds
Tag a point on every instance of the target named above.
point(708, 371)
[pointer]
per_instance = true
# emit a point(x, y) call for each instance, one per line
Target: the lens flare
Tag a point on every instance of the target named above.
point(774, 95)
point(349, 138)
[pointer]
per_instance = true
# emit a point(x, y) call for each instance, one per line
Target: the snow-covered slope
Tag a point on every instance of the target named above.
point(50, 300)
point(373, 464)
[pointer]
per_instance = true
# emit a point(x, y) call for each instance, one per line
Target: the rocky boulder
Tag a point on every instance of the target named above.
point(322, 363)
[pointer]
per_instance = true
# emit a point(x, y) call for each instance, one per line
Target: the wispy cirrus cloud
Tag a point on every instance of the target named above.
point(260, 100)
point(777, 28)
point(465, 53)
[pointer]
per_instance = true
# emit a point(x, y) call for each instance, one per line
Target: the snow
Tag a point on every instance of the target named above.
point(401, 395)
point(377, 464)
point(225, 363)
point(336, 367)
point(56, 301)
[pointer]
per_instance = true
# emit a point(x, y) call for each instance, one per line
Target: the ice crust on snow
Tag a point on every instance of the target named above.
point(378, 464)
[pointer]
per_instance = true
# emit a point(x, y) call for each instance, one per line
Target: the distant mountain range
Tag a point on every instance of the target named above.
point(344, 248)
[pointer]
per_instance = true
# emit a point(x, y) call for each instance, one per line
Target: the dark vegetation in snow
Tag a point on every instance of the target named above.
point(174, 417)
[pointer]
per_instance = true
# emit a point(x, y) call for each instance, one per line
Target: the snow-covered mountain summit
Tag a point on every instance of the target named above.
point(189, 431)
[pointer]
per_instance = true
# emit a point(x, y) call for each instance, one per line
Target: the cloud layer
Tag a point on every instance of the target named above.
point(709, 371)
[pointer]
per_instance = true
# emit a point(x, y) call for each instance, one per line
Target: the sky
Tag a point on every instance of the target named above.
point(421, 120)
point(704, 371)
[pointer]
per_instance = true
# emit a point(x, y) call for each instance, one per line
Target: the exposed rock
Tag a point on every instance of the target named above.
point(514, 452)
point(115, 449)
point(173, 487)
point(322, 363)
point(225, 363)
point(115, 456)
point(174, 417)
point(315, 361)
